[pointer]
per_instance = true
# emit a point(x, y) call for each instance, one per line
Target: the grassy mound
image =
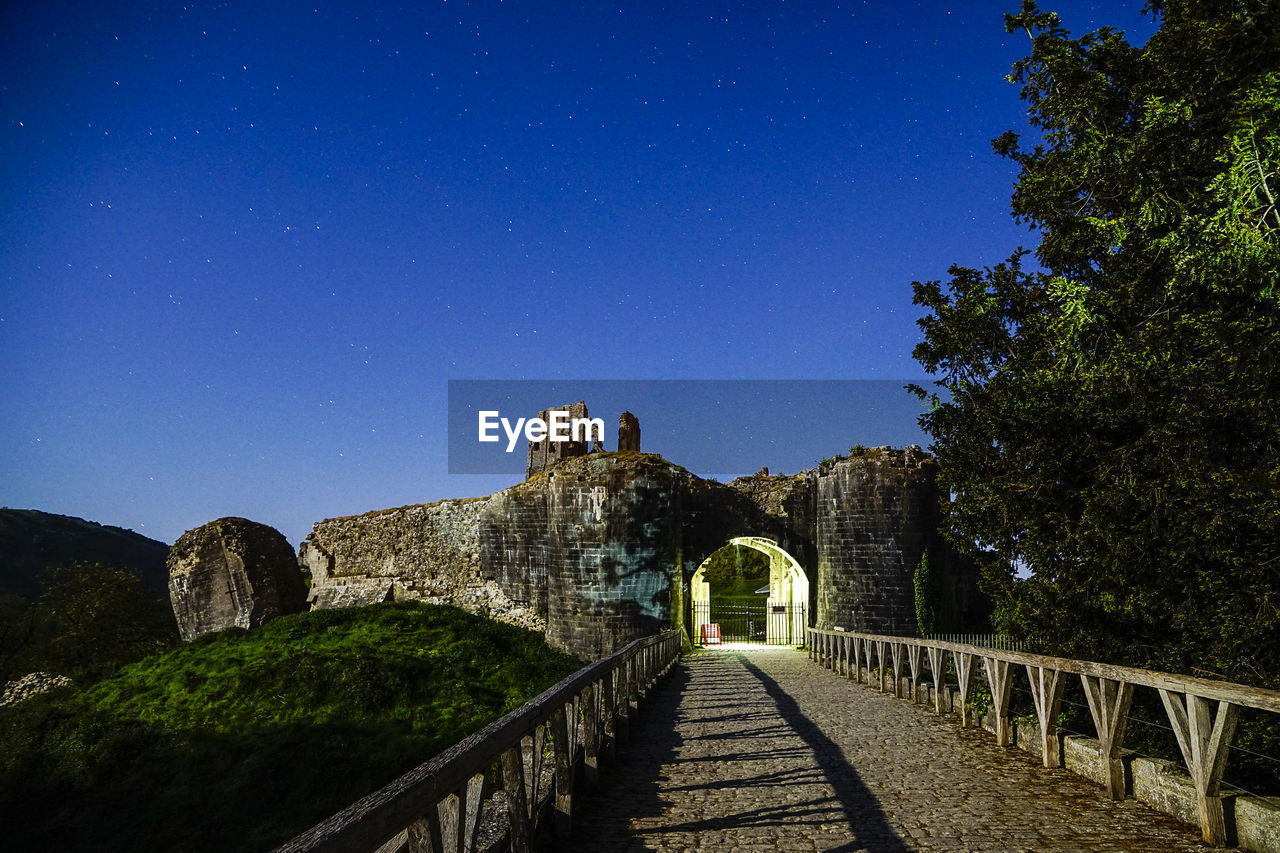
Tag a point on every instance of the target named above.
point(243, 738)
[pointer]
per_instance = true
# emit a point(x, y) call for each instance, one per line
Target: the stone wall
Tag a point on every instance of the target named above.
point(598, 549)
point(857, 526)
point(427, 552)
point(585, 552)
point(614, 540)
point(514, 546)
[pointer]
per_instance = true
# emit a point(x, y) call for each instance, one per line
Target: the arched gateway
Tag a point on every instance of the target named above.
point(780, 620)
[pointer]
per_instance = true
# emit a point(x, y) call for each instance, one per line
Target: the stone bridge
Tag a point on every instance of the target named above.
point(846, 747)
point(759, 749)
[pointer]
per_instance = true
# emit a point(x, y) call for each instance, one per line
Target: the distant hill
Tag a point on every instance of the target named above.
point(31, 541)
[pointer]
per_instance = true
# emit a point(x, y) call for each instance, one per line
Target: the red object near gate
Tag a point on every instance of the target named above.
point(711, 634)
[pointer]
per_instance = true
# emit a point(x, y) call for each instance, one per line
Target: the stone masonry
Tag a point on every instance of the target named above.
point(427, 552)
point(873, 520)
point(31, 684)
point(584, 552)
point(599, 549)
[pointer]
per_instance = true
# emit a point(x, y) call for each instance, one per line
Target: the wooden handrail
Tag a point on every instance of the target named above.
point(1222, 691)
point(438, 802)
point(1203, 737)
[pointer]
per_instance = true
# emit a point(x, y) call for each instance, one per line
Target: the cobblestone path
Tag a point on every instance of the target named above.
point(771, 752)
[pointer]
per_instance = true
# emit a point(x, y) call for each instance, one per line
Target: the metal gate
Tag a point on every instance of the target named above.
point(777, 624)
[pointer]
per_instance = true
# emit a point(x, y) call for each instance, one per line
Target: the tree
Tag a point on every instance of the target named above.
point(104, 618)
point(1111, 420)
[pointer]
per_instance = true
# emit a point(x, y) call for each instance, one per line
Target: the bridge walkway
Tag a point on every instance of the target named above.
point(771, 752)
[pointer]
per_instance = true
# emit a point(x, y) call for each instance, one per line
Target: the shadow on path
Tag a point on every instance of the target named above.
point(762, 750)
point(723, 756)
point(631, 788)
point(860, 807)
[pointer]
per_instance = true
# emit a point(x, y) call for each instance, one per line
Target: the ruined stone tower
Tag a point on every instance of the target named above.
point(546, 453)
point(628, 433)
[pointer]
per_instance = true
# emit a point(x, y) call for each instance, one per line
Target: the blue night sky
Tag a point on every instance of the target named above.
point(243, 247)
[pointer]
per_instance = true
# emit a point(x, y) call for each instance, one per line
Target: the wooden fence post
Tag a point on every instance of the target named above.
point(1204, 744)
point(937, 665)
point(609, 694)
point(1046, 692)
point(1109, 706)
point(591, 734)
point(963, 662)
point(633, 696)
point(998, 678)
point(897, 670)
point(513, 784)
point(424, 834)
point(535, 744)
point(455, 822)
point(913, 663)
point(622, 701)
point(563, 772)
point(884, 668)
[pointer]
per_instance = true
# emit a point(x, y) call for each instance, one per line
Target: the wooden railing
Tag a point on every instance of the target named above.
point(1203, 736)
point(437, 805)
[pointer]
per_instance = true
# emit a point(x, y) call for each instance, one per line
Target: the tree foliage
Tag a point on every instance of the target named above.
point(1111, 419)
point(734, 565)
point(89, 620)
point(105, 617)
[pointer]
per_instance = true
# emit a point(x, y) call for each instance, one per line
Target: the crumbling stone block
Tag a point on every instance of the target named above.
point(232, 573)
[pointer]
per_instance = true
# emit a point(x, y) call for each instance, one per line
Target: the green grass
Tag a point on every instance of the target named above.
point(241, 739)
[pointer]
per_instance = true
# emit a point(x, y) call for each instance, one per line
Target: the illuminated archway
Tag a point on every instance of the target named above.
point(787, 605)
